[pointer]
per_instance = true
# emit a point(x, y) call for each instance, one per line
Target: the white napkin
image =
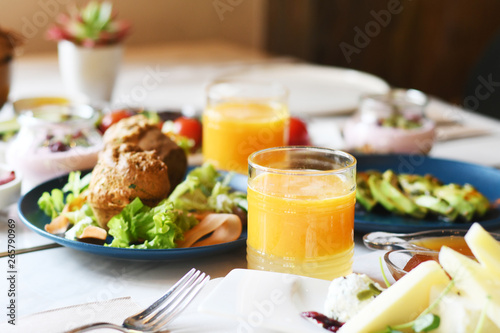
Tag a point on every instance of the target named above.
point(458, 131)
point(63, 319)
point(452, 121)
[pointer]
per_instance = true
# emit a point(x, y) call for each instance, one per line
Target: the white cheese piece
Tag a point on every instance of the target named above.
point(342, 301)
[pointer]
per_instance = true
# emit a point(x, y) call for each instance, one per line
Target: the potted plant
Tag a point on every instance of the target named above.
point(90, 50)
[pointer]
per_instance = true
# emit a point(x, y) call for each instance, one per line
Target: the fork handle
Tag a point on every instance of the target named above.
point(96, 326)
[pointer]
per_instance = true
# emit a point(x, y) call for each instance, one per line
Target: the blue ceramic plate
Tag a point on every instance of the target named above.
point(35, 219)
point(485, 179)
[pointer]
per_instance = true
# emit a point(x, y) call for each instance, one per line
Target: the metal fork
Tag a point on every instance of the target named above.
point(160, 312)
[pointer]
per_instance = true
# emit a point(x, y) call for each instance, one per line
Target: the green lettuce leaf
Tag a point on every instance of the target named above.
point(81, 214)
point(204, 189)
point(141, 227)
point(52, 203)
point(76, 184)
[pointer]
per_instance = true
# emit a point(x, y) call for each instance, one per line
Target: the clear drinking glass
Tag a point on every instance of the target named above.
point(301, 211)
point(240, 118)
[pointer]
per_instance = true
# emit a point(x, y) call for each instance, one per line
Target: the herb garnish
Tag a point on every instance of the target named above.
point(367, 293)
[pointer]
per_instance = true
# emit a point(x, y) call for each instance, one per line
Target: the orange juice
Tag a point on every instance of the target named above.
point(301, 224)
point(234, 130)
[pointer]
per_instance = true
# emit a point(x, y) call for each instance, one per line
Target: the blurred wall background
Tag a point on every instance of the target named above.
point(434, 46)
point(154, 21)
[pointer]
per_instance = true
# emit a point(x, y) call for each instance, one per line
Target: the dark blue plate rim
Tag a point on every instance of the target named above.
point(485, 179)
point(31, 215)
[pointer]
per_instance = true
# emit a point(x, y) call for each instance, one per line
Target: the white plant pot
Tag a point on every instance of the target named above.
point(89, 74)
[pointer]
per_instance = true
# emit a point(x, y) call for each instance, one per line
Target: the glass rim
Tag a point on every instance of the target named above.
point(86, 113)
point(411, 96)
point(284, 91)
point(305, 172)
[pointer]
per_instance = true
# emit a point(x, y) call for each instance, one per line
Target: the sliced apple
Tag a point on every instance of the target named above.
point(474, 281)
point(459, 315)
point(402, 302)
point(485, 248)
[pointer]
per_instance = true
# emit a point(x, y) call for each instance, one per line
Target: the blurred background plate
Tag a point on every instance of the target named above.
point(317, 90)
point(484, 179)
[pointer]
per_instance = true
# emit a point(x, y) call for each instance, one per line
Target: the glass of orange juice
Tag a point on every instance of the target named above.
point(301, 211)
point(240, 118)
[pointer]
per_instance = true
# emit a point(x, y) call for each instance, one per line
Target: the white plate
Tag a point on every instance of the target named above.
point(314, 90)
point(267, 300)
point(317, 90)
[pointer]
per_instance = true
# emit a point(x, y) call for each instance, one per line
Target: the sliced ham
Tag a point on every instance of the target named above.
point(93, 232)
point(59, 225)
point(223, 228)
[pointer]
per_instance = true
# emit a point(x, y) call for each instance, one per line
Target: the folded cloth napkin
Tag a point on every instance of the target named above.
point(452, 121)
point(458, 131)
point(63, 319)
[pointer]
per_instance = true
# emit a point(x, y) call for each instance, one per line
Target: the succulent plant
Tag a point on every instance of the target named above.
point(93, 25)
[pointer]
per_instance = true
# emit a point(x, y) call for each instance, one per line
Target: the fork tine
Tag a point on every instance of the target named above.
point(165, 297)
point(170, 304)
point(177, 305)
point(173, 297)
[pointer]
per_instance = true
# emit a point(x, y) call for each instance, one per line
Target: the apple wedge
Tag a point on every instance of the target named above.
point(485, 248)
point(474, 281)
point(458, 315)
point(402, 302)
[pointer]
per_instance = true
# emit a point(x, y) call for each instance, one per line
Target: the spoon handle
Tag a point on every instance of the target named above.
point(387, 241)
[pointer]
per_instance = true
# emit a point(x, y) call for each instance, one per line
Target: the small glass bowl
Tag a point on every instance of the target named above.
point(394, 122)
point(381, 240)
point(398, 261)
point(54, 140)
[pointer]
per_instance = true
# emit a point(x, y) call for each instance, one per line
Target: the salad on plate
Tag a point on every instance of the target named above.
point(201, 210)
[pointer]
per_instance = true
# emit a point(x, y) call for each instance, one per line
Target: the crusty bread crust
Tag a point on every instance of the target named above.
point(138, 160)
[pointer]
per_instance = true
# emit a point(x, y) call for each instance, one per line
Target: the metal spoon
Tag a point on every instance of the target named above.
point(397, 241)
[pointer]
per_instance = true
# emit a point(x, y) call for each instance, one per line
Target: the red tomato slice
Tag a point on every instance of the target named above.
point(298, 134)
point(112, 118)
point(190, 128)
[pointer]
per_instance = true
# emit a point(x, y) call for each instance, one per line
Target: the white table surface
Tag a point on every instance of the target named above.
point(60, 277)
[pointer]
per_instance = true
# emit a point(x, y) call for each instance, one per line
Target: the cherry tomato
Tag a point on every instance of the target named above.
point(112, 118)
point(190, 128)
point(298, 134)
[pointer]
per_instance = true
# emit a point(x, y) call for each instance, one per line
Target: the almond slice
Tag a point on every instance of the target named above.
point(224, 228)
